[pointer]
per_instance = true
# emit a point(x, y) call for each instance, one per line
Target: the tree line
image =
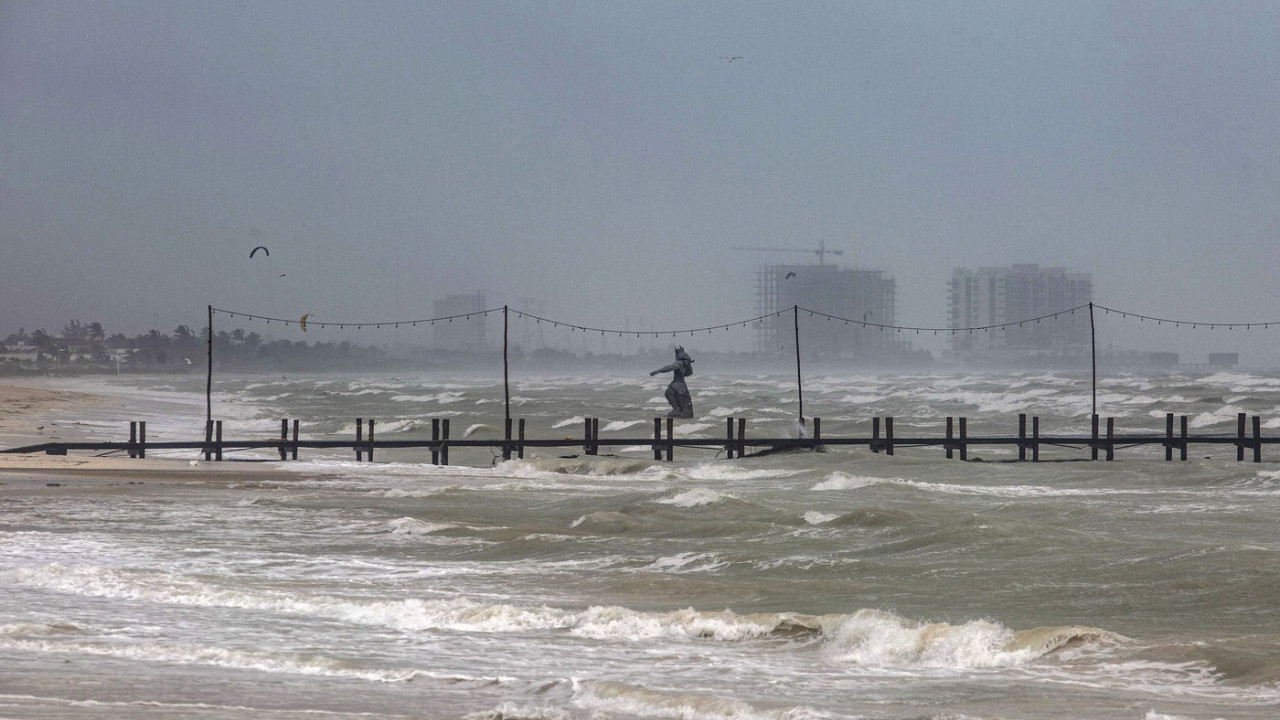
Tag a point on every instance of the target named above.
point(86, 347)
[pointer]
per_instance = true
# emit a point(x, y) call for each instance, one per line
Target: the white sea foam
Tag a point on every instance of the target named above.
point(237, 658)
point(690, 429)
point(695, 498)
point(813, 517)
point(618, 699)
point(874, 638)
point(413, 526)
point(841, 481)
point(444, 398)
point(516, 711)
point(721, 471)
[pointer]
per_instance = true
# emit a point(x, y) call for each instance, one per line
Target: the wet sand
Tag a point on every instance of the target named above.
point(37, 411)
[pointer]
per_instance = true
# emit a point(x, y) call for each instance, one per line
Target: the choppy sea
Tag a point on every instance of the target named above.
point(843, 584)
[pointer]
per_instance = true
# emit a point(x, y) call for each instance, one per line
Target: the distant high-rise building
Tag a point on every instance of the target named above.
point(462, 333)
point(854, 295)
point(1006, 297)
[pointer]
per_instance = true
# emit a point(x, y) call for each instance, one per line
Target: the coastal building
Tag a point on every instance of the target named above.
point(862, 300)
point(461, 333)
point(1014, 297)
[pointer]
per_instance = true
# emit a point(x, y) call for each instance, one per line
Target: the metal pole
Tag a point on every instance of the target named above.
point(506, 384)
point(208, 383)
point(1093, 346)
point(795, 309)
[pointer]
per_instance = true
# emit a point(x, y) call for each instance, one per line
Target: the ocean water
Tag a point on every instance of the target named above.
point(843, 584)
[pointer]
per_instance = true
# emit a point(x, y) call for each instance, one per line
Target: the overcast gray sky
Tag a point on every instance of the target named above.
point(605, 158)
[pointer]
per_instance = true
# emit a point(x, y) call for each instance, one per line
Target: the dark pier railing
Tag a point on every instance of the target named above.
point(1102, 440)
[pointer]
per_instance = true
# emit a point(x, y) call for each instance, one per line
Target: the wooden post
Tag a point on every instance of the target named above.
point(657, 438)
point(435, 441)
point(506, 445)
point(742, 437)
point(1240, 437)
point(950, 448)
point(1093, 444)
point(217, 448)
point(284, 438)
point(370, 439)
point(142, 439)
point(444, 441)
point(1111, 433)
point(595, 436)
point(1022, 436)
point(671, 446)
point(728, 444)
point(1257, 439)
point(964, 438)
point(875, 434)
point(1035, 439)
point(294, 453)
point(208, 439)
point(888, 435)
point(359, 438)
point(133, 438)
point(1168, 437)
point(1182, 448)
point(587, 449)
point(520, 447)
point(817, 433)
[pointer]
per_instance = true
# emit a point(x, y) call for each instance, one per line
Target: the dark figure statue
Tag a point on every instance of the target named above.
point(677, 391)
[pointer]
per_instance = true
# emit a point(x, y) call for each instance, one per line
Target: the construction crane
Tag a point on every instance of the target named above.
point(821, 251)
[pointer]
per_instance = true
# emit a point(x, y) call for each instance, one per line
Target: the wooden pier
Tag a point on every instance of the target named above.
point(1102, 441)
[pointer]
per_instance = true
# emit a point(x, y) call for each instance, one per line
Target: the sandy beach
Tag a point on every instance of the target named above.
point(37, 411)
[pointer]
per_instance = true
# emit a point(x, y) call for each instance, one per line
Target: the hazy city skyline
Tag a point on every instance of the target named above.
point(606, 159)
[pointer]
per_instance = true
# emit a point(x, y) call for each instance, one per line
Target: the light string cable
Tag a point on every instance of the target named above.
point(704, 329)
point(1193, 324)
point(648, 333)
point(482, 313)
point(863, 323)
point(302, 322)
point(953, 330)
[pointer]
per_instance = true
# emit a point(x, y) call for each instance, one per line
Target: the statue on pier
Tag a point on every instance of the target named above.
point(677, 391)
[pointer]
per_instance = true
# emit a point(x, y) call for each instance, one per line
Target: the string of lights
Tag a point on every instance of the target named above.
point(709, 329)
point(304, 323)
point(1193, 324)
point(649, 333)
point(935, 330)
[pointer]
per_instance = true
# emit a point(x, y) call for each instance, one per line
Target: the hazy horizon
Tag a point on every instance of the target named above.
point(603, 161)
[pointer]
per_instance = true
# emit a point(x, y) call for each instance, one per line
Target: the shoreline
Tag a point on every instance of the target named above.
point(42, 411)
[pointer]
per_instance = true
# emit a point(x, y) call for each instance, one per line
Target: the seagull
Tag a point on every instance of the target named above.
point(730, 59)
point(789, 276)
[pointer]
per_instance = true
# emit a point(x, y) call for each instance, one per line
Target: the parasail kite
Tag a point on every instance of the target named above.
point(263, 248)
point(302, 322)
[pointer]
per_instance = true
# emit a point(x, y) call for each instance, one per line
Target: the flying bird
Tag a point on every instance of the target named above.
point(730, 58)
point(263, 248)
point(789, 275)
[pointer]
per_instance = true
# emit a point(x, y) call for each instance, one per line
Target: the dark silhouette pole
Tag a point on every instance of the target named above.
point(208, 382)
point(1093, 346)
point(795, 309)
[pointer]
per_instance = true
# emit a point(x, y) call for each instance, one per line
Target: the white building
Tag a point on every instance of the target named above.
point(1013, 298)
point(460, 333)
